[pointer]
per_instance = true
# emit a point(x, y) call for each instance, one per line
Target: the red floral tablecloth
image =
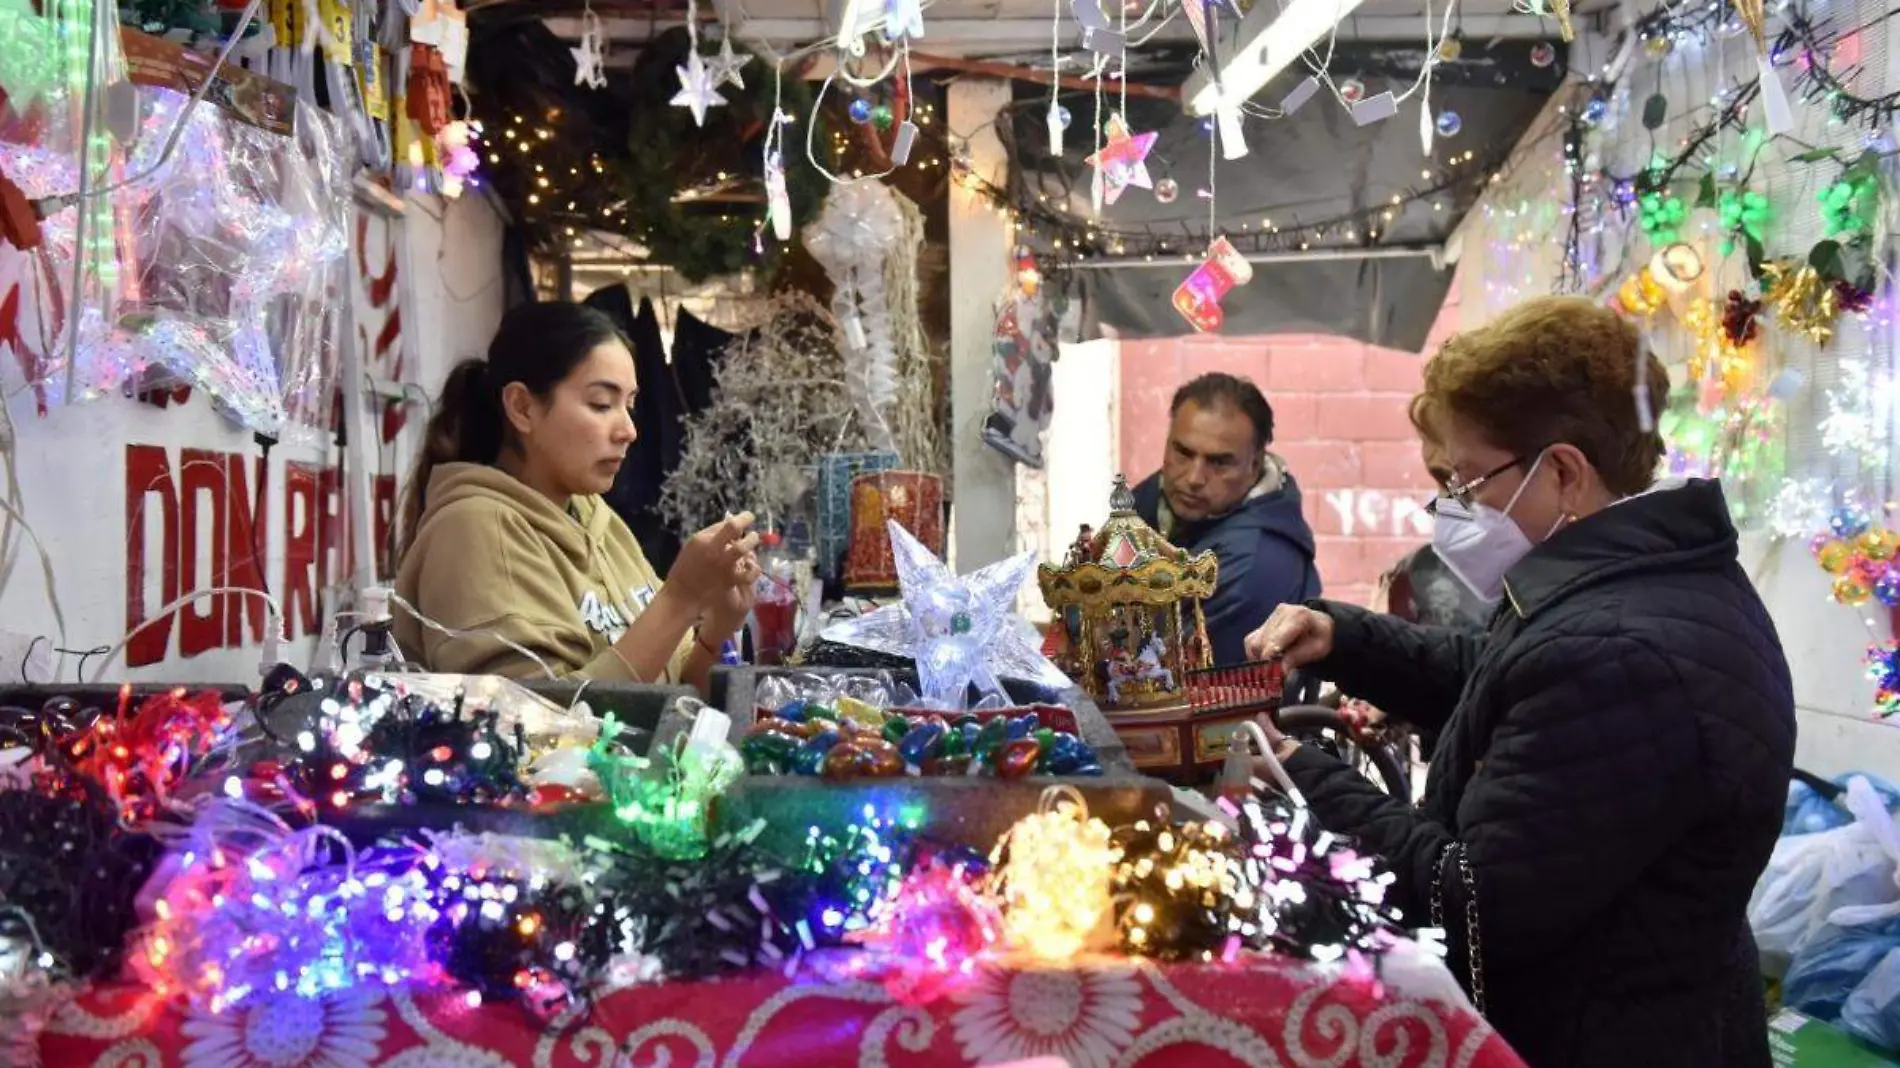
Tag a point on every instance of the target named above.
point(1257, 1013)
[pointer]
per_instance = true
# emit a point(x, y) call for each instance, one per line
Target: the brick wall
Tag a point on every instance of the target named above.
point(1340, 424)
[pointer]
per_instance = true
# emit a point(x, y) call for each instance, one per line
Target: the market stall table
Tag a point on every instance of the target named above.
point(1258, 1012)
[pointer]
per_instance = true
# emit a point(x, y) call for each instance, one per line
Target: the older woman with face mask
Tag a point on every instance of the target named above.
point(1616, 745)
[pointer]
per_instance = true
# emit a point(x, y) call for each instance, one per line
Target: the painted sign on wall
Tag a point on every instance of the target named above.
point(198, 519)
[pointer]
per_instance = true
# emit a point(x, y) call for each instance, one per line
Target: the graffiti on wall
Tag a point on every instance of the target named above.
point(1371, 512)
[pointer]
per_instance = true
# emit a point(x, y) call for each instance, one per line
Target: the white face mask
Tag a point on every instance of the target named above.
point(1480, 544)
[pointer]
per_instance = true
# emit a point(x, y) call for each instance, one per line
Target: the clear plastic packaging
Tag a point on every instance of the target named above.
point(225, 264)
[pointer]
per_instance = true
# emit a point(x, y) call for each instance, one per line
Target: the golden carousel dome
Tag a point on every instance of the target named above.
point(1127, 562)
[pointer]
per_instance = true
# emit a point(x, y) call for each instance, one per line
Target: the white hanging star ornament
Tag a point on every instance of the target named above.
point(726, 65)
point(960, 630)
point(698, 90)
point(590, 56)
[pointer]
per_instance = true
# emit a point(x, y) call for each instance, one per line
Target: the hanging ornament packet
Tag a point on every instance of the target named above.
point(1022, 365)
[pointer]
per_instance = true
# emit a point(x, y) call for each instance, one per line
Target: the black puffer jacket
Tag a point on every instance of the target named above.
point(1615, 754)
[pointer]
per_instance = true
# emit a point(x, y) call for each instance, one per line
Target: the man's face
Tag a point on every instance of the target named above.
point(1212, 461)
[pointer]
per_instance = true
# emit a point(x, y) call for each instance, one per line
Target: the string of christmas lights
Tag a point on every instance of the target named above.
point(1040, 221)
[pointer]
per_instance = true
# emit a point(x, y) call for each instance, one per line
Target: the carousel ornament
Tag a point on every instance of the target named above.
point(1130, 630)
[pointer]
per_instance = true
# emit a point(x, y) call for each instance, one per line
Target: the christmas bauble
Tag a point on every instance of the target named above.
point(1166, 190)
point(1850, 592)
point(1878, 544)
point(1448, 123)
point(1835, 556)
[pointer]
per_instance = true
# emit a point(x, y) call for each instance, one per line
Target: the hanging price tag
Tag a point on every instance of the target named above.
point(370, 80)
point(339, 24)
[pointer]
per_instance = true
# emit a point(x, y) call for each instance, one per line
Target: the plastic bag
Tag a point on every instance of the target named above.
point(1820, 980)
point(1816, 884)
point(1808, 812)
point(1872, 1011)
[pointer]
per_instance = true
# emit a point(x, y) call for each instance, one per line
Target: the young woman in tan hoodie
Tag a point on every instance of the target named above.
point(508, 537)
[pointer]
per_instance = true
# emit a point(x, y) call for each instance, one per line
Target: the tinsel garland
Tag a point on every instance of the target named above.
point(68, 866)
point(699, 918)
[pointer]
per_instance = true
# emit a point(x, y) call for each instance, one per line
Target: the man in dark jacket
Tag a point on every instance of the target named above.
point(1219, 489)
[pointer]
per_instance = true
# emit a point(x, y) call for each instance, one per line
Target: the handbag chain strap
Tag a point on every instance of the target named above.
point(1474, 939)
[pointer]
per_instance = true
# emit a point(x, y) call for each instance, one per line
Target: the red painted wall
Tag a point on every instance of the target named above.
point(1339, 422)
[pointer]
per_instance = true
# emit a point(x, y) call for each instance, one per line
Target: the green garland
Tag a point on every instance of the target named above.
point(694, 239)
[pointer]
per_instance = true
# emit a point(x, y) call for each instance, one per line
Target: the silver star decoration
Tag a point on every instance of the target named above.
point(590, 56)
point(587, 65)
point(727, 64)
point(959, 630)
point(698, 90)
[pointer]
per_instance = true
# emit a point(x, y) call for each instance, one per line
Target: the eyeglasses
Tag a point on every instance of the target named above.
point(1460, 493)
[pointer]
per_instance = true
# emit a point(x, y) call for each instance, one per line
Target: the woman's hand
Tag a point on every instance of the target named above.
point(728, 611)
point(1294, 635)
point(712, 562)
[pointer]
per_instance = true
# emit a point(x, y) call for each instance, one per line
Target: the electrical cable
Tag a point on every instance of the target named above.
point(164, 615)
point(452, 632)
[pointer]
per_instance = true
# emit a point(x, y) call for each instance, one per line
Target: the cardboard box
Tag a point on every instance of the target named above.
point(1798, 1041)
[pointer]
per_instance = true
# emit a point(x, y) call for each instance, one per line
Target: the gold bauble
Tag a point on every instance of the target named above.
point(1879, 544)
point(1849, 591)
point(1835, 556)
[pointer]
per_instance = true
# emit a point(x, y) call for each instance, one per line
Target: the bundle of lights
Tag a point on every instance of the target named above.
point(666, 799)
point(1053, 873)
point(1320, 899)
point(246, 906)
point(934, 928)
point(363, 740)
point(1188, 891)
point(139, 755)
point(68, 870)
point(853, 876)
point(235, 917)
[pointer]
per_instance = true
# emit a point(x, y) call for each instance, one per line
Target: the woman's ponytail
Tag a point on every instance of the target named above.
point(467, 427)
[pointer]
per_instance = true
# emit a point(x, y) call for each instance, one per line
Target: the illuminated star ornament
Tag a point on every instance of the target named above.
point(725, 67)
point(960, 630)
point(698, 89)
point(1123, 161)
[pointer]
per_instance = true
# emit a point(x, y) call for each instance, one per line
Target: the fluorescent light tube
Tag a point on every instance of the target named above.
point(1269, 41)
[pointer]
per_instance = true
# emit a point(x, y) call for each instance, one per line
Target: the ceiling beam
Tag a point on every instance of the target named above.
point(1016, 35)
point(1270, 38)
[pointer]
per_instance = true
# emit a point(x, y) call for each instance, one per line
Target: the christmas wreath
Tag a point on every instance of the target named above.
point(666, 152)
